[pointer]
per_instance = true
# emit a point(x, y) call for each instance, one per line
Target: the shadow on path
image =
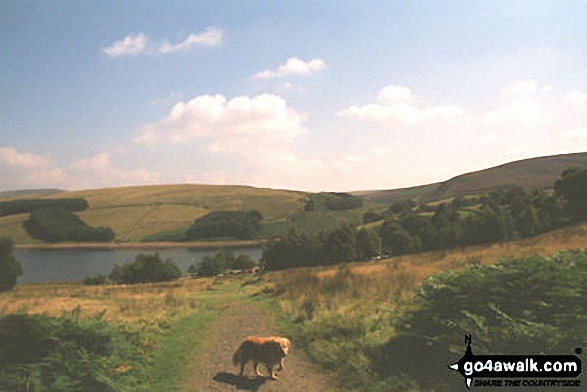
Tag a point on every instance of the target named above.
point(240, 382)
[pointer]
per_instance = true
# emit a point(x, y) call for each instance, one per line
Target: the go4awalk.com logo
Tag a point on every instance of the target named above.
point(518, 370)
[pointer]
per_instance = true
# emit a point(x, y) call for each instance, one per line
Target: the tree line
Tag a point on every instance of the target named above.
point(56, 224)
point(503, 215)
point(25, 206)
point(242, 225)
point(304, 250)
point(333, 201)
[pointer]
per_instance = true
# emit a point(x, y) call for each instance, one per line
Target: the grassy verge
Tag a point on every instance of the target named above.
point(167, 318)
point(345, 317)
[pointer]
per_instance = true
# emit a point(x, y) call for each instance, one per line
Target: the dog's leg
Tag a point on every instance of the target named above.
point(281, 365)
point(242, 369)
point(257, 369)
point(270, 370)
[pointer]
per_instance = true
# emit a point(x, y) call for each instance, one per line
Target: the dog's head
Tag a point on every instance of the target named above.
point(285, 345)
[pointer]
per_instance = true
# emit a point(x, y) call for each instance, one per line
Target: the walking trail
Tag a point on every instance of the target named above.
point(212, 369)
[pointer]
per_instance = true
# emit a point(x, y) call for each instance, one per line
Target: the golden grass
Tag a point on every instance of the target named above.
point(132, 305)
point(388, 285)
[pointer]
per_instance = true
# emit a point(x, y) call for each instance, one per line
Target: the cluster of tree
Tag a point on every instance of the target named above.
point(372, 216)
point(56, 224)
point(69, 353)
point(333, 201)
point(220, 262)
point(232, 224)
point(302, 250)
point(24, 206)
point(503, 215)
point(10, 268)
point(145, 269)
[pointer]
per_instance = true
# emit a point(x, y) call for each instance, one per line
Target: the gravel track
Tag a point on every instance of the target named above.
point(212, 370)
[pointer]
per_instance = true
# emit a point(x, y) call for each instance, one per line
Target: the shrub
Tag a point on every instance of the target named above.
point(95, 280)
point(243, 262)
point(10, 268)
point(145, 269)
point(532, 305)
point(39, 352)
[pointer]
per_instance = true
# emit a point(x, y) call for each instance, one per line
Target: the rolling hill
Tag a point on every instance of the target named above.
point(142, 211)
point(158, 211)
point(534, 173)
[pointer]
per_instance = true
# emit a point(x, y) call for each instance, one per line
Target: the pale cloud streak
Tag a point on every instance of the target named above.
point(397, 105)
point(133, 45)
point(293, 66)
point(25, 170)
point(98, 171)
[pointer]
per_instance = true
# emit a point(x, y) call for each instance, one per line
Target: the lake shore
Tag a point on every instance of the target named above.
point(143, 245)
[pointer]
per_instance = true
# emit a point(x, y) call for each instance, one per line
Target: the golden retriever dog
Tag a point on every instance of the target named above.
point(270, 351)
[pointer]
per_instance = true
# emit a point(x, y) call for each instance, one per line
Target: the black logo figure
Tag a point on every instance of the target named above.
point(468, 357)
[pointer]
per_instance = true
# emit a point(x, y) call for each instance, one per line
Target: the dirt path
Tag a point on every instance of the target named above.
point(213, 370)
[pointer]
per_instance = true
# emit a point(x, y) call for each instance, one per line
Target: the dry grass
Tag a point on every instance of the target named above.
point(389, 284)
point(132, 305)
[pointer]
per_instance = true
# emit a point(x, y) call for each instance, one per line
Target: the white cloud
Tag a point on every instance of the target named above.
point(23, 170)
point(98, 171)
point(130, 45)
point(223, 125)
point(133, 45)
point(397, 104)
point(210, 37)
point(293, 66)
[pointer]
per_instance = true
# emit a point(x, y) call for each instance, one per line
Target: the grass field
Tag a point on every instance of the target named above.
point(142, 211)
point(170, 317)
point(332, 313)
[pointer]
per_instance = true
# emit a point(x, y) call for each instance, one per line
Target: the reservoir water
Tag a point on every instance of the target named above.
point(60, 265)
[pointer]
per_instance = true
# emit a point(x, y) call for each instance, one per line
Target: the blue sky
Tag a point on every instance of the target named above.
point(307, 95)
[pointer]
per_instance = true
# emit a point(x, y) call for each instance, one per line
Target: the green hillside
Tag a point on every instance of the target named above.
point(141, 211)
point(534, 173)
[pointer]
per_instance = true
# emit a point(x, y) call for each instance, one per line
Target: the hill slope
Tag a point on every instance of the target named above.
point(534, 173)
point(136, 212)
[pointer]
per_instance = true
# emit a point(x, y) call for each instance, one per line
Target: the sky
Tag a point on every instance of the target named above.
point(301, 95)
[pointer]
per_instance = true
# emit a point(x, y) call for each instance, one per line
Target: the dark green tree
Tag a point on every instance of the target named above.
point(402, 206)
point(10, 268)
point(243, 262)
point(211, 266)
point(56, 224)
point(341, 245)
point(398, 241)
point(145, 269)
point(235, 224)
point(419, 227)
point(550, 209)
point(368, 244)
point(294, 250)
point(493, 223)
point(370, 216)
point(572, 187)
